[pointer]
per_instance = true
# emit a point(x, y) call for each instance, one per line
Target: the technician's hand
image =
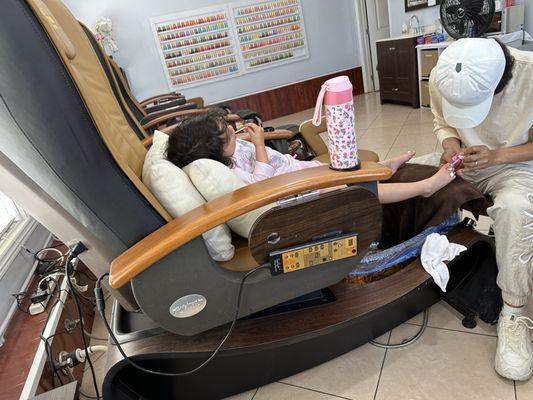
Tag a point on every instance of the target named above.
point(451, 146)
point(478, 157)
point(257, 134)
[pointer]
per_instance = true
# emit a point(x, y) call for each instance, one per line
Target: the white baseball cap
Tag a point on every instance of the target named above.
point(467, 74)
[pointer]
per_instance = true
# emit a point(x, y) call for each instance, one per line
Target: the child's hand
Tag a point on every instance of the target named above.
point(257, 134)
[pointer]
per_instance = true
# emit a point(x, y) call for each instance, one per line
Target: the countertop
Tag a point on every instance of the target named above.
point(406, 36)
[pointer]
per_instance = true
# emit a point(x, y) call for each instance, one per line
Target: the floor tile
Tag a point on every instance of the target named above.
point(418, 130)
point(524, 390)
point(484, 223)
point(379, 137)
point(370, 142)
point(420, 149)
point(423, 141)
point(442, 315)
point(420, 116)
point(249, 395)
point(281, 391)
point(388, 119)
point(353, 375)
point(381, 152)
point(442, 365)
point(363, 122)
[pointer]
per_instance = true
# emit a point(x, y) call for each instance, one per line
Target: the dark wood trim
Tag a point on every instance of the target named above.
point(294, 97)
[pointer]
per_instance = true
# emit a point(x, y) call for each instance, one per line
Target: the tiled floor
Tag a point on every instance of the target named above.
point(447, 362)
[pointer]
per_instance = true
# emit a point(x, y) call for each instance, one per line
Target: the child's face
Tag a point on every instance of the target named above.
point(229, 147)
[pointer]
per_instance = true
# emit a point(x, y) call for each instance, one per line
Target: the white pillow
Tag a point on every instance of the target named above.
point(171, 186)
point(213, 179)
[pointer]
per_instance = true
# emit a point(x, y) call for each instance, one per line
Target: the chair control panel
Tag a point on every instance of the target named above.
point(315, 253)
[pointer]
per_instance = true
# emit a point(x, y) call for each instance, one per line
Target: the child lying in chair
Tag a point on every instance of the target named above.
point(209, 136)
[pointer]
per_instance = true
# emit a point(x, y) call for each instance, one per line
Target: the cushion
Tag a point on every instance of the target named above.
point(172, 187)
point(214, 179)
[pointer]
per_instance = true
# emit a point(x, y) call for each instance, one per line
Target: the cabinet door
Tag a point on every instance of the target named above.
point(387, 65)
point(404, 67)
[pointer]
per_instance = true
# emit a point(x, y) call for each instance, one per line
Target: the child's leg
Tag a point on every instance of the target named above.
point(398, 161)
point(394, 192)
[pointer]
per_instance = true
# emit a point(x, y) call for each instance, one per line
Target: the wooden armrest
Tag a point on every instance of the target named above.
point(232, 118)
point(169, 106)
point(213, 213)
point(147, 142)
point(165, 96)
point(272, 135)
point(170, 116)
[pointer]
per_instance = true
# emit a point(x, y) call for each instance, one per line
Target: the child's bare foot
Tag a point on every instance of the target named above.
point(396, 162)
point(439, 180)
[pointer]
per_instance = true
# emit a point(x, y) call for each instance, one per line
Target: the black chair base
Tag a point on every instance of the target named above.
point(266, 349)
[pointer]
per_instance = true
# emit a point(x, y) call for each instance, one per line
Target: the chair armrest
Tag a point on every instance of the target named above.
point(172, 104)
point(166, 96)
point(147, 141)
point(170, 116)
point(213, 213)
point(272, 135)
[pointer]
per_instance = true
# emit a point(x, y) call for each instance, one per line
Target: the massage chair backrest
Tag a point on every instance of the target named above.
point(104, 60)
point(65, 129)
point(132, 102)
point(312, 136)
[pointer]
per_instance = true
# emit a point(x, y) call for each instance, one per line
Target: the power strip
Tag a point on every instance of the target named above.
point(39, 307)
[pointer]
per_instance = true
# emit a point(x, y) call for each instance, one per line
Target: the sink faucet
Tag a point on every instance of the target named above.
point(418, 28)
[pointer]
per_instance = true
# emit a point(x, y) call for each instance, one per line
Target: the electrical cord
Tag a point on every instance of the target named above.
point(406, 342)
point(19, 298)
point(94, 337)
point(77, 249)
point(47, 345)
point(100, 304)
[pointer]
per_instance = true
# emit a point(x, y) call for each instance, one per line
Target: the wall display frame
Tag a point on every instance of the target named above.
point(411, 5)
point(224, 41)
point(269, 33)
point(196, 46)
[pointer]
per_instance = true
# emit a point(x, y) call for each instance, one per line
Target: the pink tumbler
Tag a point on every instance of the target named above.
point(336, 93)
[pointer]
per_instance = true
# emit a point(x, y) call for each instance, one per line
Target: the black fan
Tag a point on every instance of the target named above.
point(466, 18)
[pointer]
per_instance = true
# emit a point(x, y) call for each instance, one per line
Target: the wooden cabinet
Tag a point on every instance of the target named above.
point(397, 68)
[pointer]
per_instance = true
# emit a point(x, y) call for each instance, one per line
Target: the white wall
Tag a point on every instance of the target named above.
point(398, 16)
point(330, 34)
point(528, 18)
point(19, 268)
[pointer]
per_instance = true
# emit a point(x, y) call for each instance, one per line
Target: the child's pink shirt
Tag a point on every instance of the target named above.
point(250, 170)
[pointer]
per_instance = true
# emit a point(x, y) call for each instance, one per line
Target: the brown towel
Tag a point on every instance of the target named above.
point(405, 219)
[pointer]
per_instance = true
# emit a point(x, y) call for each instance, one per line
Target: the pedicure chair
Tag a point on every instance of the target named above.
point(70, 156)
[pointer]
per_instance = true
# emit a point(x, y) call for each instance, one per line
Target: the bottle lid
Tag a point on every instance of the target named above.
point(338, 84)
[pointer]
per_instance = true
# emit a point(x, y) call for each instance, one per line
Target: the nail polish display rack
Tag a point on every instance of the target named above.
point(224, 41)
point(196, 47)
point(269, 33)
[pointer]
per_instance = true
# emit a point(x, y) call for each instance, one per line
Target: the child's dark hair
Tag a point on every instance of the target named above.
point(508, 71)
point(199, 136)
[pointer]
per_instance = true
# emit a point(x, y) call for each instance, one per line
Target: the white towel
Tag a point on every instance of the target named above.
point(435, 251)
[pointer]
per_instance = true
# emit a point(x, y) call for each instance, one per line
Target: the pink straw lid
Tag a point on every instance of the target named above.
point(338, 84)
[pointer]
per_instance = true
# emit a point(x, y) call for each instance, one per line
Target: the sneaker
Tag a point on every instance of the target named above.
point(514, 355)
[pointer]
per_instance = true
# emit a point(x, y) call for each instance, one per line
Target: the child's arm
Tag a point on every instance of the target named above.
point(261, 171)
point(257, 134)
point(394, 192)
